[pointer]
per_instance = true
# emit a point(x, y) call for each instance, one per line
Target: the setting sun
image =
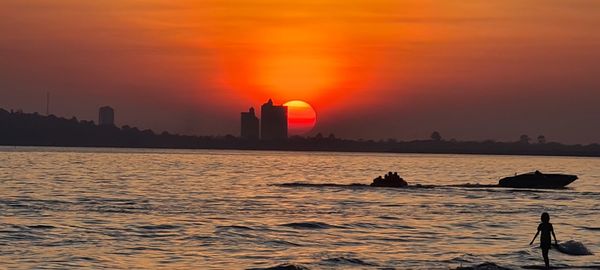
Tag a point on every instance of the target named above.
point(302, 118)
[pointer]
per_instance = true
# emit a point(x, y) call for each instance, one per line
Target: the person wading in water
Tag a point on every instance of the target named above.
point(545, 241)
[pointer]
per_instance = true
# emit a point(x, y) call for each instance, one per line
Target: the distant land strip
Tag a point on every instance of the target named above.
point(33, 129)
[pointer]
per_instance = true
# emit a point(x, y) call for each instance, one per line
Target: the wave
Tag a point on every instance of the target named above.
point(363, 225)
point(162, 227)
point(561, 267)
point(279, 242)
point(41, 227)
point(483, 266)
point(310, 225)
point(590, 228)
point(202, 238)
point(345, 260)
point(389, 217)
point(145, 248)
point(282, 267)
point(235, 227)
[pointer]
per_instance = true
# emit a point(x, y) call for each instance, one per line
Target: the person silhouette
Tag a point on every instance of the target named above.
point(545, 241)
point(378, 180)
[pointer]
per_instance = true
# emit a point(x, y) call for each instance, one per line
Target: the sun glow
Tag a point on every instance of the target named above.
point(302, 118)
point(330, 53)
point(292, 63)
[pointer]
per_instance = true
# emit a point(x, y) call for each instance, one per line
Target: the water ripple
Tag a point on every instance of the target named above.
point(166, 209)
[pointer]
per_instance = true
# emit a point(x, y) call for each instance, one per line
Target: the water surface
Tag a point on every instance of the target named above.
point(171, 209)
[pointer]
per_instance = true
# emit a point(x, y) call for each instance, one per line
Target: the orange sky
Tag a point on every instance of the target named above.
point(470, 69)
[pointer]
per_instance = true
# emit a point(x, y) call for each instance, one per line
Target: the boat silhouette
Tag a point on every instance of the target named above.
point(537, 180)
point(389, 180)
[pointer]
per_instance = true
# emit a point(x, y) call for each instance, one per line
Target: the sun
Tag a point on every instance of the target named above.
point(302, 118)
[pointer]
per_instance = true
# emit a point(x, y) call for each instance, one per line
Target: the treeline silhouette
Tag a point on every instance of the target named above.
point(33, 129)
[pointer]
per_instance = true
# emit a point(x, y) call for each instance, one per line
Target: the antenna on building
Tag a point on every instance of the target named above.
point(47, 103)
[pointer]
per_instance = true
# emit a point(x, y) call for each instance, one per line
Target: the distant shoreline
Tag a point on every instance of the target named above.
point(289, 150)
point(32, 129)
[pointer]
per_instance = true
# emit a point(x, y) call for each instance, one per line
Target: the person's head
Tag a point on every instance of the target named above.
point(545, 217)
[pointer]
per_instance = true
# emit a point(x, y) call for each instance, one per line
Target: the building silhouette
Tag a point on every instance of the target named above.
point(106, 116)
point(274, 124)
point(250, 125)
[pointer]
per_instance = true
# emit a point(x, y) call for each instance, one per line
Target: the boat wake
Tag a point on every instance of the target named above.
point(347, 261)
point(354, 185)
point(529, 181)
point(414, 186)
point(304, 184)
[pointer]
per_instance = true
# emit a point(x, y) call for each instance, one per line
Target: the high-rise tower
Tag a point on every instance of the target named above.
point(250, 125)
point(106, 116)
point(274, 124)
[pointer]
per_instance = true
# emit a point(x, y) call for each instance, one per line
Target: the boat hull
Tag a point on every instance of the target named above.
point(550, 181)
point(393, 185)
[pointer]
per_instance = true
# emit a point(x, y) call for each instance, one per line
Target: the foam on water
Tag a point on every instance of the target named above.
point(573, 247)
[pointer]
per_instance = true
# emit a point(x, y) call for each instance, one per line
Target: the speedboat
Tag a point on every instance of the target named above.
point(390, 180)
point(537, 180)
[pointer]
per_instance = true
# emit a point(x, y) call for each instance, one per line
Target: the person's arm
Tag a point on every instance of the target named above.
point(555, 241)
point(536, 234)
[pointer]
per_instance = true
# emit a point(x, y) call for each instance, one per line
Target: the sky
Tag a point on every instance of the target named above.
point(373, 69)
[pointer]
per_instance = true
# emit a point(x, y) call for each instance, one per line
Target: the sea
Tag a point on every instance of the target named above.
point(93, 208)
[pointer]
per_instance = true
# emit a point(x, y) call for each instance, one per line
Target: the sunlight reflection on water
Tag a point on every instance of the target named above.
point(122, 209)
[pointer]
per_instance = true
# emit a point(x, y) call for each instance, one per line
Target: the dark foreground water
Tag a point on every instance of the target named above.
point(170, 209)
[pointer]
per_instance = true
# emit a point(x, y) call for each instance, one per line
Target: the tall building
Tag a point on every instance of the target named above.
point(106, 116)
point(249, 129)
point(274, 124)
